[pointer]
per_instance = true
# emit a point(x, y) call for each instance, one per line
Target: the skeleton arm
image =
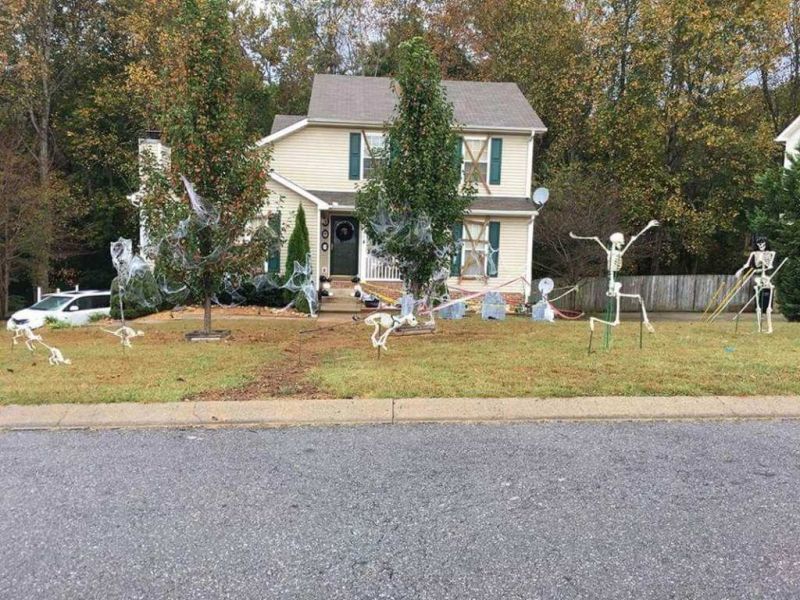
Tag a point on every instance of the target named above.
point(594, 238)
point(741, 271)
point(652, 223)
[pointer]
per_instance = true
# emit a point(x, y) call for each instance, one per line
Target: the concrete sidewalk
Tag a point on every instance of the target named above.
point(280, 412)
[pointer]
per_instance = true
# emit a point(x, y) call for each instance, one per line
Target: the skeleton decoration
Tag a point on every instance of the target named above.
point(31, 339)
point(758, 265)
point(135, 285)
point(494, 307)
point(542, 311)
point(614, 256)
point(125, 334)
point(453, 311)
point(385, 324)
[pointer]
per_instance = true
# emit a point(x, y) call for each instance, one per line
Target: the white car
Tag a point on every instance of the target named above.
point(75, 308)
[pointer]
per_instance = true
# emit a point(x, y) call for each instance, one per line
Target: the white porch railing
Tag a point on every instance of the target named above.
point(372, 267)
point(378, 270)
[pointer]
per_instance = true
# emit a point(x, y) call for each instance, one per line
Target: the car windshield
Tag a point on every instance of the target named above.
point(51, 303)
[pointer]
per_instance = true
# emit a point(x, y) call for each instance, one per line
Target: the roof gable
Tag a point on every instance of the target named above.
point(481, 104)
point(787, 133)
point(284, 121)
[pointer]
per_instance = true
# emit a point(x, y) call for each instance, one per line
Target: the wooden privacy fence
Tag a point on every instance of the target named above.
point(661, 293)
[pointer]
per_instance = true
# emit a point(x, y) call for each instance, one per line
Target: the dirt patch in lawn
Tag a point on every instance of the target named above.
point(304, 350)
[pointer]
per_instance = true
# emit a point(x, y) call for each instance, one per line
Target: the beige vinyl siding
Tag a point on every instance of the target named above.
point(317, 158)
point(513, 170)
point(513, 257)
point(287, 201)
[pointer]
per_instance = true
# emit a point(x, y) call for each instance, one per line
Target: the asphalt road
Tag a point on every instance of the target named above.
point(559, 510)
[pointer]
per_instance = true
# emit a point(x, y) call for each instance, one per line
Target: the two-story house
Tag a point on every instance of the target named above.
point(320, 159)
point(790, 137)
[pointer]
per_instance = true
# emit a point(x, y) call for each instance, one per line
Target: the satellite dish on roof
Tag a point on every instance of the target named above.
point(546, 286)
point(540, 196)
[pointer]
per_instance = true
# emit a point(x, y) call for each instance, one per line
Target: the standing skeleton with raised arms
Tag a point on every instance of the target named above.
point(614, 264)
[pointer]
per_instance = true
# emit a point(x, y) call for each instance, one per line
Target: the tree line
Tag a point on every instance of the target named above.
point(660, 109)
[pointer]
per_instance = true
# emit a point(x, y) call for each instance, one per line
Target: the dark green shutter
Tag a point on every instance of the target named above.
point(497, 161)
point(494, 242)
point(455, 260)
point(274, 262)
point(355, 156)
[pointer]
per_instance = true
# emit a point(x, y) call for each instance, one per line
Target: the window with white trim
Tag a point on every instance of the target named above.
point(475, 249)
point(476, 160)
point(372, 145)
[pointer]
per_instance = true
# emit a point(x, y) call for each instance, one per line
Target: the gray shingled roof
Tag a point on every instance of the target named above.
point(284, 121)
point(371, 100)
point(501, 203)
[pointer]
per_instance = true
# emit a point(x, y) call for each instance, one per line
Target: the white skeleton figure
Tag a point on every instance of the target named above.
point(31, 339)
point(125, 334)
point(388, 323)
point(56, 358)
point(614, 265)
point(762, 260)
point(26, 333)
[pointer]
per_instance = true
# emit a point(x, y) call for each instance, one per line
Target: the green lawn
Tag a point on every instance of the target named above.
point(161, 366)
point(516, 357)
point(520, 358)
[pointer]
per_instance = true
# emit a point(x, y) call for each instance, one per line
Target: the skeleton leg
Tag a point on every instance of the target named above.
point(375, 342)
point(644, 311)
point(613, 323)
point(758, 308)
point(769, 309)
point(386, 334)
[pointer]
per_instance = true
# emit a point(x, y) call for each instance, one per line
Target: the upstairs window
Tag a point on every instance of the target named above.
point(371, 151)
point(476, 160)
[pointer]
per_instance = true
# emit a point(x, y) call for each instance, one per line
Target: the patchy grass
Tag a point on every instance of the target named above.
point(161, 366)
point(266, 358)
point(519, 358)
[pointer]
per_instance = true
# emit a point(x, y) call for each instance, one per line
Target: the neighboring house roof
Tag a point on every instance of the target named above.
point(284, 121)
point(481, 104)
point(483, 204)
point(787, 133)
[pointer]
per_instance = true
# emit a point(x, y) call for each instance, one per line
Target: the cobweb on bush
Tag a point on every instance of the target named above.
point(301, 283)
point(135, 285)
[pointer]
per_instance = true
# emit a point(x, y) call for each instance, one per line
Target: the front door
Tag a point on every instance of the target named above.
point(344, 249)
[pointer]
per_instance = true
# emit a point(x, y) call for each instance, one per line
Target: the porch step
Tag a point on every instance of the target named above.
point(340, 304)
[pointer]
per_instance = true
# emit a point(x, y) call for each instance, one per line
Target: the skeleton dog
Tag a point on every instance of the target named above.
point(388, 323)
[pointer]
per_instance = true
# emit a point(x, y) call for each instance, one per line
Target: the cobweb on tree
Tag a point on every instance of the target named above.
point(413, 230)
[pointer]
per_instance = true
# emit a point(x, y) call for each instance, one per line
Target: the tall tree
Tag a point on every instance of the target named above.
point(43, 41)
point(206, 130)
point(410, 206)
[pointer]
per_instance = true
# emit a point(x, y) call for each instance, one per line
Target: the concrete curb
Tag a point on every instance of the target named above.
point(281, 412)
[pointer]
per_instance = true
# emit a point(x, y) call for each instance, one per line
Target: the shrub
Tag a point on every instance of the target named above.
point(142, 298)
point(298, 251)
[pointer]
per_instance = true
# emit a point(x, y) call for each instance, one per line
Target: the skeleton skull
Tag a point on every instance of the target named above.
point(617, 240)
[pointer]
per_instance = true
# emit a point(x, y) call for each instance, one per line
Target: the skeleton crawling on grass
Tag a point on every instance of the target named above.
point(388, 323)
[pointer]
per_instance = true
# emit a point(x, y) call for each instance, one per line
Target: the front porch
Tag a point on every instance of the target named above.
point(344, 250)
